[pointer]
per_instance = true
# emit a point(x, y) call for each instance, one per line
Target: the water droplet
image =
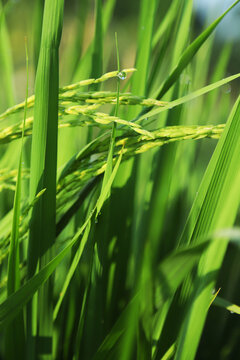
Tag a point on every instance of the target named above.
point(96, 220)
point(231, 312)
point(228, 89)
point(122, 75)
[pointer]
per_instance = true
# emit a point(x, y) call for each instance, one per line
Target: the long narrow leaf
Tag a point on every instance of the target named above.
point(190, 52)
point(215, 207)
point(43, 174)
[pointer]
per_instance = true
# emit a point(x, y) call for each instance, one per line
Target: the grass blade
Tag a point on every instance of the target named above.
point(190, 97)
point(108, 170)
point(43, 173)
point(214, 208)
point(227, 305)
point(5, 60)
point(15, 346)
point(97, 55)
point(170, 274)
point(10, 307)
point(190, 52)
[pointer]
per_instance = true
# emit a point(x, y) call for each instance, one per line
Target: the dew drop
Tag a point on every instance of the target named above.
point(231, 312)
point(228, 89)
point(96, 220)
point(122, 75)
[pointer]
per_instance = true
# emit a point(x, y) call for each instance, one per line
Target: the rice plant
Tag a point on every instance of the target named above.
point(119, 183)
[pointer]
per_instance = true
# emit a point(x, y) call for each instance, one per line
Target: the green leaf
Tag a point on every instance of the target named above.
point(84, 67)
point(108, 169)
point(72, 269)
point(189, 53)
point(15, 302)
point(214, 208)
point(223, 303)
point(189, 97)
point(43, 174)
point(107, 187)
point(15, 346)
point(170, 274)
point(5, 60)
point(10, 307)
point(97, 55)
point(145, 32)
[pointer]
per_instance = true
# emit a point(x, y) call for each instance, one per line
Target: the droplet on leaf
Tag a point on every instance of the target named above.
point(122, 75)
